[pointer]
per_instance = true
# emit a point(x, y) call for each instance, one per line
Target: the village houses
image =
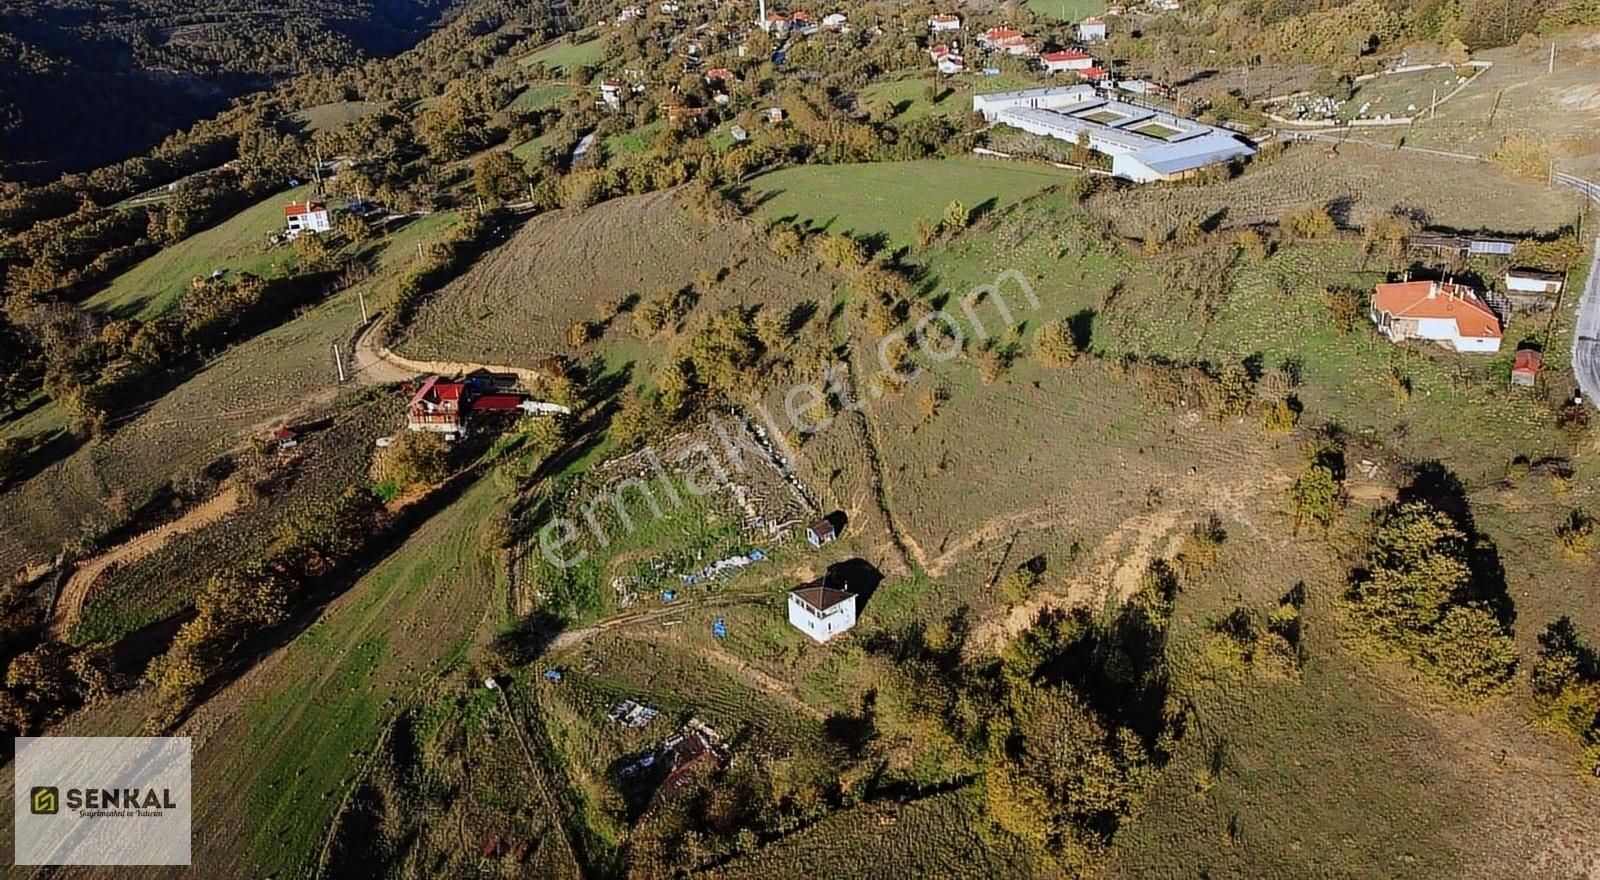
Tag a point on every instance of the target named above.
point(1005, 39)
point(1450, 314)
point(1067, 59)
point(946, 59)
point(305, 216)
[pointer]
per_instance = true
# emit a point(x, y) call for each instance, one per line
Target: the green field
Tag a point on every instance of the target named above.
point(279, 766)
point(909, 100)
point(1066, 10)
point(635, 140)
point(1395, 95)
point(891, 198)
point(530, 149)
point(562, 55)
point(238, 244)
point(540, 96)
point(332, 117)
point(1156, 130)
point(952, 96)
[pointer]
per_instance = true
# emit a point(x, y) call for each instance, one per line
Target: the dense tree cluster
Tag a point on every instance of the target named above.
point(1566, 687)
point(1420, 595)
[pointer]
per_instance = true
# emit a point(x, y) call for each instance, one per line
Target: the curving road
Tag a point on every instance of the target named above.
point(374, 364)
point(1586, 334)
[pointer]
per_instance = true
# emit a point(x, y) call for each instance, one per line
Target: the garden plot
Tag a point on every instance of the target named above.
point(1402, 95)
point(642, 530)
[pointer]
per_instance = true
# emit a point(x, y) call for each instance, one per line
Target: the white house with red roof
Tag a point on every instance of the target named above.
point(1438, 311)
point(438, 405)
point(944, 22)
point(1005, 39)
point(306, 216)
point(1092, 29)
point(947, 59)
point(1067, 59)
point(821, 611)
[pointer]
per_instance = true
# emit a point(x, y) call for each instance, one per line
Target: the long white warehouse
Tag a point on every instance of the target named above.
point(1144, 145)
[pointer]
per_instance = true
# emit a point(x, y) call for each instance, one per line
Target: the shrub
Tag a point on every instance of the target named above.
point(416, 458)
point(1345, 307)
point(1577, 534)
point(1054, 345)
point(1312, 221)
point(1280, 417)
point(1016, 586)
point(1523, 155)
point(1412, 596)
point(1317, 497)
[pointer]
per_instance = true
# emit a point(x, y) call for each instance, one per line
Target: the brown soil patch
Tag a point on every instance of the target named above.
point(1113, 573)
point(1362, 182)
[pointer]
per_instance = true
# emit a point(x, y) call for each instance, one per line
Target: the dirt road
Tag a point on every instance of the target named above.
point(374, 364)
point(70, 603)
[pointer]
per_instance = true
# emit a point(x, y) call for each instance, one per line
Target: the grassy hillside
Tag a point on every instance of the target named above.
point(564, 54)
point(238, 244)
point(891, 198)
point(284, 372)
point(295, 731)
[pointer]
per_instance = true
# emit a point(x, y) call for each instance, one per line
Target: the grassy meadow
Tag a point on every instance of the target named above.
point(564, 55)
point(238, 244)
point(891, 198)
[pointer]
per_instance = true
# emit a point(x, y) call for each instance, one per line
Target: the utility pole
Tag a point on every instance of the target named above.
point(362, 295)
point(1552, 68)
point(1433, 108)
point(338, 362)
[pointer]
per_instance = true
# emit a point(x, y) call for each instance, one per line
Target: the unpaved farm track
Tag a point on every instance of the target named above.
point(76, 590)
point(375, 364)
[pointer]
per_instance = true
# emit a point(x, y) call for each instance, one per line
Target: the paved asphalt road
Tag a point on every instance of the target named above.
point(1586, 338)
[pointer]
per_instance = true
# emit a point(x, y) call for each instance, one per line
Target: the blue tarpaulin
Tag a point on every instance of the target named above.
point(719, 628)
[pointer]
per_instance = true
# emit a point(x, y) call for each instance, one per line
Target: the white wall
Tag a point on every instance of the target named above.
point(1127, 166)
point(839, 618)
point(1436, 328)
point(1477, 345)
point(1531, 285)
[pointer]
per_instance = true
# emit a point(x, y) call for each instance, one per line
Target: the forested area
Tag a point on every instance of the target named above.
point(83, 84)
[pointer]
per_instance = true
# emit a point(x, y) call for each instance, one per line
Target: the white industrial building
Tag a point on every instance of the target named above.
point(1144, 144)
